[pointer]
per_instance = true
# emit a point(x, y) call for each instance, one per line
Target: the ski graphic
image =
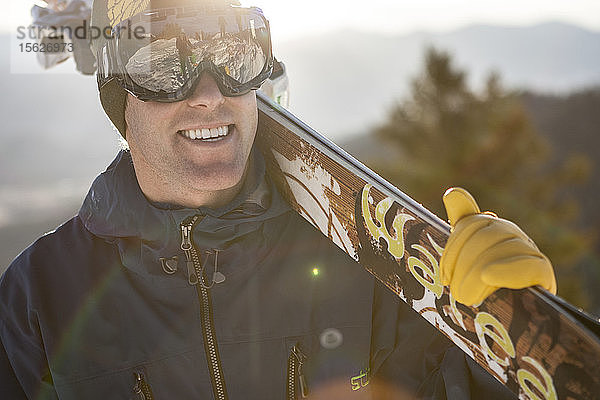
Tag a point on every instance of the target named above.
point(536, 344)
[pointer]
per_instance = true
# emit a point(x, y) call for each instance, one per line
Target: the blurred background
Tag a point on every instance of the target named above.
point(502, 98)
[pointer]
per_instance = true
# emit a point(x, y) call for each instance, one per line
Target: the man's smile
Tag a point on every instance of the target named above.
point(208, 134)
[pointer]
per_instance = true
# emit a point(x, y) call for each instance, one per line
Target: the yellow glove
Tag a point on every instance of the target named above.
point(485, 253)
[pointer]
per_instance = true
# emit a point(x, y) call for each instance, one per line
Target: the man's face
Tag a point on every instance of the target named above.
point(168, 150)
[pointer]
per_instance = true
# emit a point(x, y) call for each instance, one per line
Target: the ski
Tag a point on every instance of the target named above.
point(535, 343)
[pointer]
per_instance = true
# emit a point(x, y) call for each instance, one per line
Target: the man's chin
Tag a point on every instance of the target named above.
point(217, 179)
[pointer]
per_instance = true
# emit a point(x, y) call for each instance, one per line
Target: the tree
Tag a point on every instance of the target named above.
point(447, 135)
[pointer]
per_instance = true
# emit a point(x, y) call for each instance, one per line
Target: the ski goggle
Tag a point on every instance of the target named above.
point(158, 55)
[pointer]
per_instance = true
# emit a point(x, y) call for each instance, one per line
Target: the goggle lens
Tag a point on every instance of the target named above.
point(164, 53)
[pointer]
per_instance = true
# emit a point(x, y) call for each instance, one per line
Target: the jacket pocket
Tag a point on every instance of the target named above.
point(141, 388)
point(330, 363)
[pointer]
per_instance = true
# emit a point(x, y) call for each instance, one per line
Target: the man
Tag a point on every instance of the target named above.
point(184, 275)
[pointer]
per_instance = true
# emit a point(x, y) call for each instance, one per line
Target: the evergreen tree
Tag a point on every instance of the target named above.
point(446, 134)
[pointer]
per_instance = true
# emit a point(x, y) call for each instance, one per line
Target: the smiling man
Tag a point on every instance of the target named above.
point(185, 275)
point(193, 152)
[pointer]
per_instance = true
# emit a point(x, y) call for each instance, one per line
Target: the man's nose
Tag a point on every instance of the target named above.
point(207, 93)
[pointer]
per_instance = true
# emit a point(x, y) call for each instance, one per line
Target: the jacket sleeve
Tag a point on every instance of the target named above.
point(411, 359)
point(24, 371)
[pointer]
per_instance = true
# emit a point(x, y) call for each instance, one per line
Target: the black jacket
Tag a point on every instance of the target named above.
point(103, 308)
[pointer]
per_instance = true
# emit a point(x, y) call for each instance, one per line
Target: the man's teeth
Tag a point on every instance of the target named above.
point(206, 134)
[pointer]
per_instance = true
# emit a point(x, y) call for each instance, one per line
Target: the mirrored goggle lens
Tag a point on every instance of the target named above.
point(162, 51)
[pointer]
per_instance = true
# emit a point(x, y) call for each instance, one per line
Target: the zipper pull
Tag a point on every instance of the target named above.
point(301, 378)
point(186, 246)
point(186, 237)
point(303, 385)
point(191, 268)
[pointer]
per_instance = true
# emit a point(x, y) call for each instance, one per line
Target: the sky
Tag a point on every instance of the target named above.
point(402, 16)
point(292, 19)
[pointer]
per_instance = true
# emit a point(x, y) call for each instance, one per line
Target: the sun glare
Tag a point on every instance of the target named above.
point(292, 19)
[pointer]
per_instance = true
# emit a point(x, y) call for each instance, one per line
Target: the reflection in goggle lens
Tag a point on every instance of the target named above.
point(166, 64)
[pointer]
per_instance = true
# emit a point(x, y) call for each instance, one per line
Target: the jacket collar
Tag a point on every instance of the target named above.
point(116, 210)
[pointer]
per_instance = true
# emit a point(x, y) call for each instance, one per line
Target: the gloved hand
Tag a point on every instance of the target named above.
point(485, 253)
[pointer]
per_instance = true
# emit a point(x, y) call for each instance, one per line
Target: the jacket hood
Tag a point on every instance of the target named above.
point(116, 210)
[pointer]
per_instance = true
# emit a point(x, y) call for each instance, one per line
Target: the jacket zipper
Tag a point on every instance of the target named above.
point(141, 388)
point(295, 371)
point(196, 277)
point(187, 247)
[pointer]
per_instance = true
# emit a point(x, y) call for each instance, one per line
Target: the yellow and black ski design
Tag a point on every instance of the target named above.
point(536, 344)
